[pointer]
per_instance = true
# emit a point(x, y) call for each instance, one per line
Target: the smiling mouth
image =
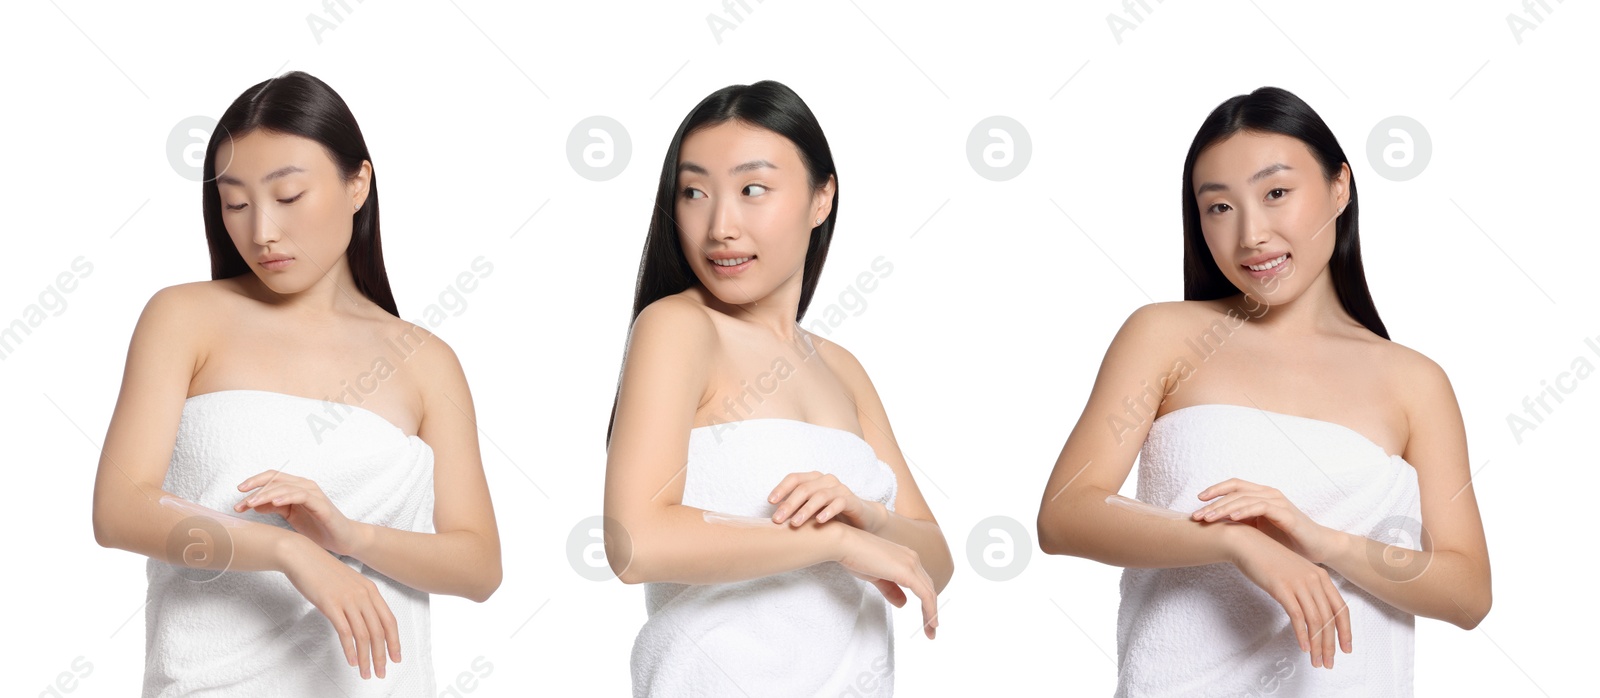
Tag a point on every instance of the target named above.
point(1269, 264)
point(736, 261)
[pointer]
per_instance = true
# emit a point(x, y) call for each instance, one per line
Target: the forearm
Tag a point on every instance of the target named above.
point(458, 563)
point(1445, 585)
point(925, 537)
point(677, 543)
point(180, 532)
point(1082, 523)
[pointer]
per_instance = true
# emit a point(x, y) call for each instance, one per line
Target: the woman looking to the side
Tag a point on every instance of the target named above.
point(752, 480)
point(1303, 480)
point(300, 465)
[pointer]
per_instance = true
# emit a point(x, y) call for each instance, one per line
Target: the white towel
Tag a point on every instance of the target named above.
point(817, 631)
point(251, 633)
point(1207, 630)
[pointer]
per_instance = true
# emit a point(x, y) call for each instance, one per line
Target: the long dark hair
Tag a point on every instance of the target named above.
point(298, 104)
point(1275, 110)
point(663, 268)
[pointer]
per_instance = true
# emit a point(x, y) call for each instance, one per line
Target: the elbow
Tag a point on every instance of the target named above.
point(490, 583)
point(624, 559)
point(1049, 529)
point(625, 565)
point(623, 552)
point(103, 530)
point(1474, 614)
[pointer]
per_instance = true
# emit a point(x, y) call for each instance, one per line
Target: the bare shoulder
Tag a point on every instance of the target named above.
point(434, 361)
point(1157, 326)
point(173, 311)
point(674, 324)
point(846, 366)
point(1422, 382)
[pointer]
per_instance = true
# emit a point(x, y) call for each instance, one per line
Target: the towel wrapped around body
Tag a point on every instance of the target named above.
point(1208, 630)
point(817, 631)
point(235, 633)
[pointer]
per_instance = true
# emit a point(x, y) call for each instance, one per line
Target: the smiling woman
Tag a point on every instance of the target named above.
point(752, 483)
point(280, 557)
point(1281, 492)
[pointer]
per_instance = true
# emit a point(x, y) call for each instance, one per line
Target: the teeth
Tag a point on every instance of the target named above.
point(1269, 264)
point(730, 262)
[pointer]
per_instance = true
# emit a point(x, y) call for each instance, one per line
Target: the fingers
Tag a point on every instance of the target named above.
point(265, 477)
point(831, 510)
point(1342, 624)
point(358, 628)
point(1323, 637)
point(391, 626)
point(891, 591)
point(1297, 620)
point(378, 640)
point(1224, 487)
point(820, 500)
point(347, 638)
point(930, 601)
point(803, 493)
point(268, 496)
point(788, 483)
point(1224, 507)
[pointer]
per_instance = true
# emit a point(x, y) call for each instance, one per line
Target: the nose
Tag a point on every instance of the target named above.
point(264, 230)
point(725, 223)
point(1253, 227)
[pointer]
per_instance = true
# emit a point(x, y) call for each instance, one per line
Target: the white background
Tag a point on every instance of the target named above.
point(983, 341)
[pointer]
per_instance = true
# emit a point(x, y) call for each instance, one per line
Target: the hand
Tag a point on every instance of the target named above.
point(352, 603)
point(300, 502)
point(889, 566)
point(1306, 593)
point(1270, 512)
point(804, 494)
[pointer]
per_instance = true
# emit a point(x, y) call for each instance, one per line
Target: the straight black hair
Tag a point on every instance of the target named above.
point(663, 267)
point(1275, 110)
point(298, 104)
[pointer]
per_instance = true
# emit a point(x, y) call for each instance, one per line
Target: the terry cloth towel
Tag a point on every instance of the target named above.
point(252, 633)
point(817, 631)
point(1207, 630)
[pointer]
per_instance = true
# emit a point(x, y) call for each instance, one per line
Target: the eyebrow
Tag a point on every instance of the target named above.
point(736, 169)
point(1272, 169)
point(280, 172)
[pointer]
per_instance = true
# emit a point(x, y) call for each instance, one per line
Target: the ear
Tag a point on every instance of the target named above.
point(1341, 187)
point(358, 185)
point(822, 202)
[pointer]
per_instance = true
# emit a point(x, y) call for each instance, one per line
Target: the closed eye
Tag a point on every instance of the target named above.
point(292, 199)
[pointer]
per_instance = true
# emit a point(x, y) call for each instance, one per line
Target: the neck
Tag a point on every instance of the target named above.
point(775, 312)
point(333, 294)
point(1316, 310)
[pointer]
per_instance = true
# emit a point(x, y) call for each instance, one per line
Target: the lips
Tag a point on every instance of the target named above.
point(1268, 264)
point(1264, 267)
point(276, 262)
point(730, 263)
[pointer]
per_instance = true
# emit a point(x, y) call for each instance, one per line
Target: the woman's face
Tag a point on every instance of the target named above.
point(745, 210)
point(287, 207)
point(1267, 212)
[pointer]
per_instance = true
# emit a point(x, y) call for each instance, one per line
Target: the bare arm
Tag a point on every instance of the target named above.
point(651, 536)
point(462, 557)
point(911, 523)
point(128, 513)
point(1076, 517)
point(1448, 578)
